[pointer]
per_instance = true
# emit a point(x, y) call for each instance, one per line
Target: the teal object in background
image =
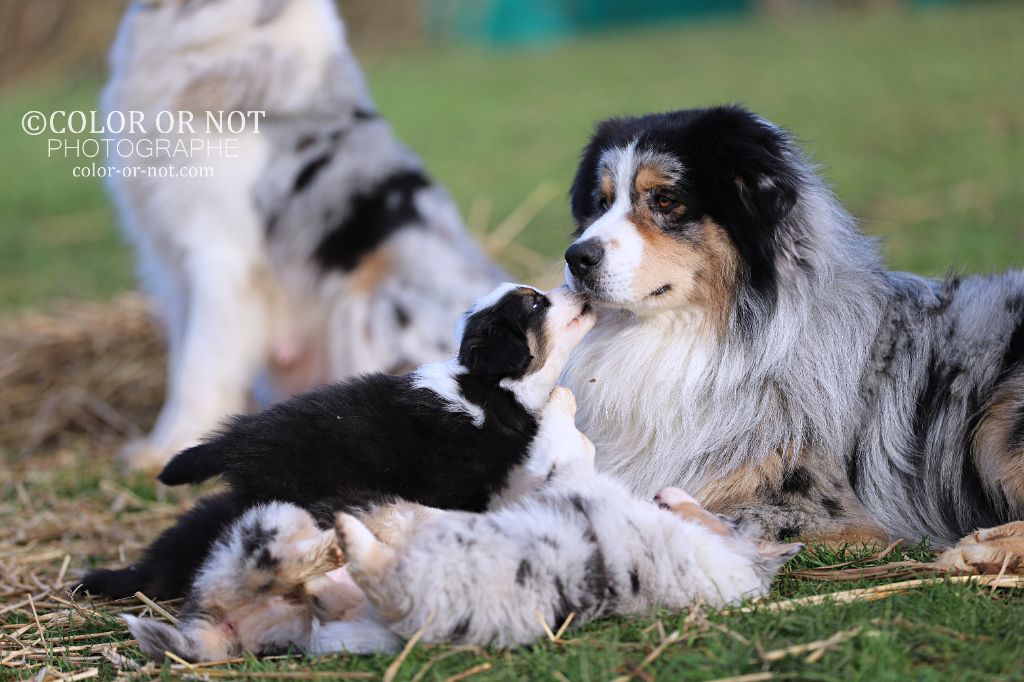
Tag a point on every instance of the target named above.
point(514, 22)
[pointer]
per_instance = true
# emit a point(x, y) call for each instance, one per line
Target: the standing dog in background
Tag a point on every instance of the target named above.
point(311, 250)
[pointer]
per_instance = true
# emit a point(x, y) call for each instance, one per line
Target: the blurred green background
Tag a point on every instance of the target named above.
point(916, 115)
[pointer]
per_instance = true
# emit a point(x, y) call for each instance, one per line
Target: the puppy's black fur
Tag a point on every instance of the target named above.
point(342, 446)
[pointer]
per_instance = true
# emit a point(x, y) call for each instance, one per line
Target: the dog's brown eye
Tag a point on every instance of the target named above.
point(603, 203)
point(664, 201)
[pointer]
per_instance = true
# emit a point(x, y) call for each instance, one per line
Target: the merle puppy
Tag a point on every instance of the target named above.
point(447, 435)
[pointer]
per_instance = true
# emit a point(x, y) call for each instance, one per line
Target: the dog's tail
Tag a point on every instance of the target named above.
point(193, 465)
point(167, 567)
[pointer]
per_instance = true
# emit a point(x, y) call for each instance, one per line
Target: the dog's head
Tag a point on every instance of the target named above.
point(170, 27)
point(769, 557)
point(681, 209)
point(518, 333)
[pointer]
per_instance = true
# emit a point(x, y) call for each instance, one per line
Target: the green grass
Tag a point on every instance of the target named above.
point(944, 631)
point(917, 118)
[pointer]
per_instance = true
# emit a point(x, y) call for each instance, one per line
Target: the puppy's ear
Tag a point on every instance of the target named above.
point(494, 351)
point(773, 555)
point(155, 638)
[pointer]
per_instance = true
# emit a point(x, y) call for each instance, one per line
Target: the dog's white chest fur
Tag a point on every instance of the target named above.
point(636, 381)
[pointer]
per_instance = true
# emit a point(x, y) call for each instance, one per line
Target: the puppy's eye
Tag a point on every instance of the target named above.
point(603, 204)
point(665, 201)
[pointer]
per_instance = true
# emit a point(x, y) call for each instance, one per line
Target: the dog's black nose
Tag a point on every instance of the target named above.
point(584, 256)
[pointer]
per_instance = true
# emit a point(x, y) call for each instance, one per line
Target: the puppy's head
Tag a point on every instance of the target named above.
point(681, 209)
point(770, 556)
point(517, 332)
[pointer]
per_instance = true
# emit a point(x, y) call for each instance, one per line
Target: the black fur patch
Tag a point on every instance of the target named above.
point(255, 538)
point(788, 532)
point(831, 505)
point(799, 481)
point(267, 561)
point(402, 316)
point(550, 542)
point(309, 172)
point(374, 215)
point(460, 630)
point(634, 580)
point(1014, 354)
point(524, 572)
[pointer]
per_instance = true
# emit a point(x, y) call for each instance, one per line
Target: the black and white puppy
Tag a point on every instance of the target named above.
point(447, 435)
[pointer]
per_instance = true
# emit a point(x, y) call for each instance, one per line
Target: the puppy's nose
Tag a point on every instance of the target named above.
point(584, 256)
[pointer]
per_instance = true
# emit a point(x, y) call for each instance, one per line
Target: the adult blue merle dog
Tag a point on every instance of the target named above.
point(752, 348)
point(305, 248)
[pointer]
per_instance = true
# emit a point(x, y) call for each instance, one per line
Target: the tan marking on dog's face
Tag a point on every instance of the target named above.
point(649, 178)
point(699, 266)
point(608, 186)
point(1000, 460)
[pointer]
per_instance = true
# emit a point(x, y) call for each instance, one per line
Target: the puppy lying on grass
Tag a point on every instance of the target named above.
point(577, 543)
point(448, 435)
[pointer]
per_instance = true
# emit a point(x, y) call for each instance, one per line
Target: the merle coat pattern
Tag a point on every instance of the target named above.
point(799, 381)
point(309, 247)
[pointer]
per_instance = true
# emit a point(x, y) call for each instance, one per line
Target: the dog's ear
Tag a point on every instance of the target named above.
point(494, 351)
point(753, 163)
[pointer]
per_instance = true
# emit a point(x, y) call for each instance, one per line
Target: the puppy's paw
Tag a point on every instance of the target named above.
point(355, 540)
point(367, 557)
point(319, 554)
point(671, 496)
point(588, 448)
point(563, 401)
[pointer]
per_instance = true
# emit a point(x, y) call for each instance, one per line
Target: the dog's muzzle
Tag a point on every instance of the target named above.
point(584, 259)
